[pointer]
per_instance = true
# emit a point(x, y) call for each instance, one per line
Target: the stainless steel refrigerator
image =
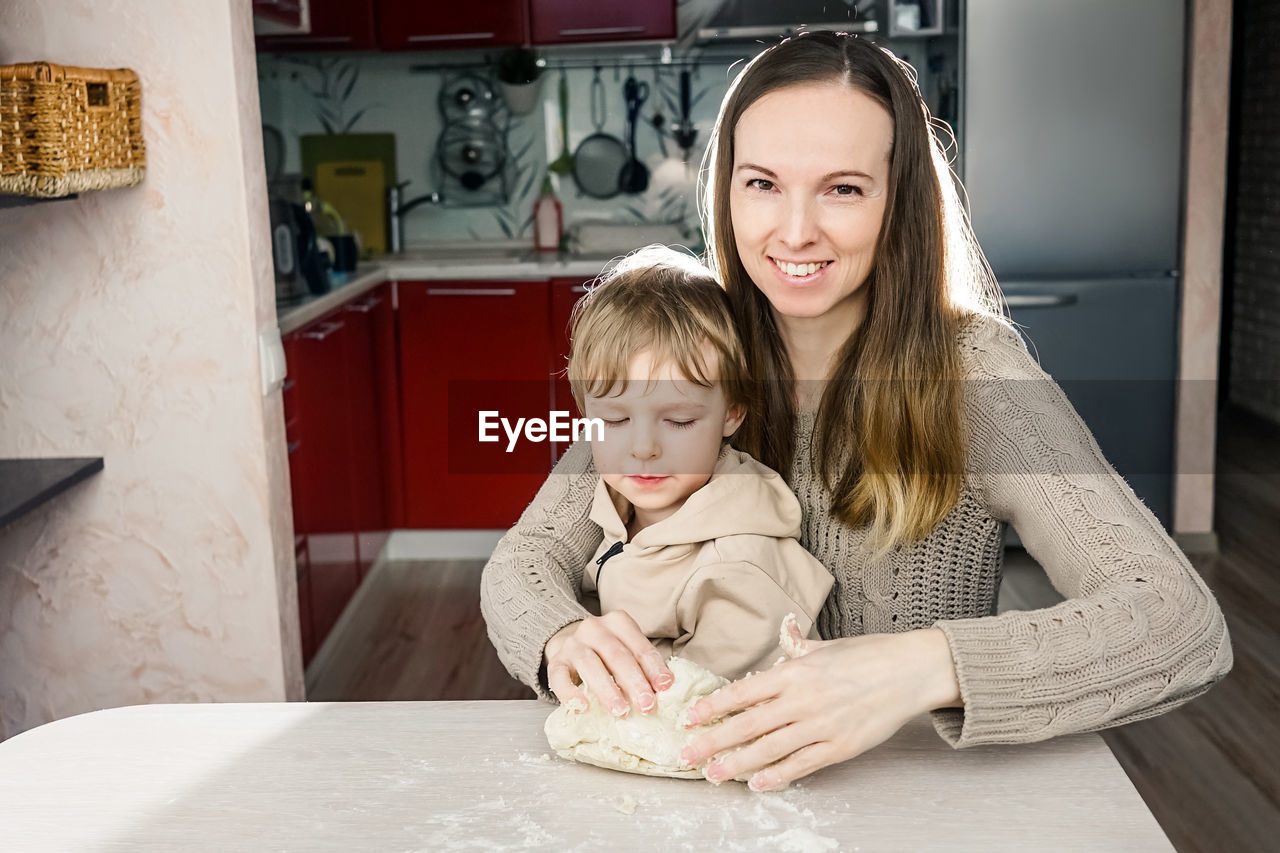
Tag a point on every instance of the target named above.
point(1072, 158)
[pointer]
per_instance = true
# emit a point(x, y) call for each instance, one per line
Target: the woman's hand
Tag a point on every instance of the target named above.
point(833, 700)
point(612, 656)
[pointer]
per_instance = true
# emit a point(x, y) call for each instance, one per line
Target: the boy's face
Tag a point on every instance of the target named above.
point(661, 436)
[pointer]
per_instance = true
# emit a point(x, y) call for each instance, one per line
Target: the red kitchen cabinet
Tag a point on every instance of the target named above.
point(342, 425)
point(319, 432)
point(317, 357)
point(562, 21)
point(373, 401)
point(467, 347)
point(565, 292)
point(335, 25)
point(414, 25)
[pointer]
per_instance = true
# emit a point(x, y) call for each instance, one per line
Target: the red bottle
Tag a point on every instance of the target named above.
point(548, 219)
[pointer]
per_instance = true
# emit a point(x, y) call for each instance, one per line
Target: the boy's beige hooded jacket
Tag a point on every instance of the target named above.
point(713, 581)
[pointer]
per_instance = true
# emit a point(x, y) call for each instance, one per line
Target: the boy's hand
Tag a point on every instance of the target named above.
point(612, 656)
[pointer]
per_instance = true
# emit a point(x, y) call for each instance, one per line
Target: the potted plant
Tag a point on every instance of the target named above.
point(519, 70)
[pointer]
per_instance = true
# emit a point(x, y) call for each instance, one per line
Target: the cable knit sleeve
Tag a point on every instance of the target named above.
point(1139, 633)
point(529, 587)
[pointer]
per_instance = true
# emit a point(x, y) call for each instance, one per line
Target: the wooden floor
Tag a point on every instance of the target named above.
point(1210, 771)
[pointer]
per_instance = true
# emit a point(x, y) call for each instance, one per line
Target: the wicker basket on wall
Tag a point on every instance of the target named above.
point(65, 130)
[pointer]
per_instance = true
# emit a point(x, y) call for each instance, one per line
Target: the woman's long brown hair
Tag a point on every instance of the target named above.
point(889, 437)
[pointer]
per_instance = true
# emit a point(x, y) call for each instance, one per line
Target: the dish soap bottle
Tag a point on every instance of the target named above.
point(548, 219)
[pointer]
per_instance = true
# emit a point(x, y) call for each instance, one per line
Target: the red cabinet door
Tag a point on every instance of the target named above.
point(386, 375)
point(560, 21)
point(467, 347)
point(320, 431)
point(335, 25)
point(371, 515)
point(317, 357)
point(565, 292)
point(417, 25)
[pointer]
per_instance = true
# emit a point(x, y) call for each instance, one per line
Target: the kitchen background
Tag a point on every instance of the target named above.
point(401, 94)
point(132, 328)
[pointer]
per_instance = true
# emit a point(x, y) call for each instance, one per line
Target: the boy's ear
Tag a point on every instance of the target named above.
point(733, 418)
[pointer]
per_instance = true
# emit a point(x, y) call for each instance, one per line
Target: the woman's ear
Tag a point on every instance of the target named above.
point(733, 418)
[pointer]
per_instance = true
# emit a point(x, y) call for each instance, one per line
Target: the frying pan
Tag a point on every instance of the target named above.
point(598, 160)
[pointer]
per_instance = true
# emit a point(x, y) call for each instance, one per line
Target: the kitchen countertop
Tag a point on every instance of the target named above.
point(522, 265)
point(479, 776)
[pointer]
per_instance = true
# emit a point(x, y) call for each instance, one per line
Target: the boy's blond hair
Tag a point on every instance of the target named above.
point(662, 302)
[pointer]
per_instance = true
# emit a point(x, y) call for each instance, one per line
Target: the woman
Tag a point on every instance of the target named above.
point(914, 427)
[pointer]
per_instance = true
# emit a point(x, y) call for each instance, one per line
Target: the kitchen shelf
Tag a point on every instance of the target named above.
point(22, 200)
point(27, 483)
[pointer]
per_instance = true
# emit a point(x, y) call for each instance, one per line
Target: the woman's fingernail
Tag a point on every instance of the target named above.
point(762, 782)
point(687, 755)
point(619, 709)
point(664, 682)
point(714, 773)
point(646, 702)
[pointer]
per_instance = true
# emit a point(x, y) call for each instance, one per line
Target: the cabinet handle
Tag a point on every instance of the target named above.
point(602, 31)
point(471, 291)
point(318, 39)
point(1040, 300)
point(325, 330)
point(453, 37)
point(364, 307)
point(293, 445)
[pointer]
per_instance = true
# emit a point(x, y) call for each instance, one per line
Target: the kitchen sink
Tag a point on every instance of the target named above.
point(480, 255)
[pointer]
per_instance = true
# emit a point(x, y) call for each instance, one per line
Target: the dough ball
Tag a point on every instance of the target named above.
point(650, 743)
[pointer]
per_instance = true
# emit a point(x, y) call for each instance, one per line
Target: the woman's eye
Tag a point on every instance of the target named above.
point(615, 422)
point(848, 189)
point(682, 424)
point(760, 184)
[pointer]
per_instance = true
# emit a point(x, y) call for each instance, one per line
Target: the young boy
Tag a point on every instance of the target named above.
point(700, 543)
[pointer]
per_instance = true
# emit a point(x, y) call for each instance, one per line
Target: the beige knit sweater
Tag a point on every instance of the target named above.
point(1138, 635)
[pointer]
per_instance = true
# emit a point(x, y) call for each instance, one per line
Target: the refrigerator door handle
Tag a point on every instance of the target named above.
point(1040, 300)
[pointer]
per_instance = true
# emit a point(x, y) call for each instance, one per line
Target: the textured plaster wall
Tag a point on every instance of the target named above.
point(128, 329)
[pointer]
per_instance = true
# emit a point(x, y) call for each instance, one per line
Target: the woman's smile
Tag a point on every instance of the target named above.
point(799, 272)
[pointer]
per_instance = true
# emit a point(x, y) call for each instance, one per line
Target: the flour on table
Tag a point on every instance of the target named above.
point(650, 743)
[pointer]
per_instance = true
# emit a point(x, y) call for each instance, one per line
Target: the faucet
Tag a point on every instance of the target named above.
point(397, 207)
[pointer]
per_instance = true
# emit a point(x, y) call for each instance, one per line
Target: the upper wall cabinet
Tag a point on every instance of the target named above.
point(418, 25)
point(335, 25)
point(563, 21)
point(414, 25)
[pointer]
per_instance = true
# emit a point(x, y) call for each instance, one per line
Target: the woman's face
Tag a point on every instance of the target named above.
point(809, 183)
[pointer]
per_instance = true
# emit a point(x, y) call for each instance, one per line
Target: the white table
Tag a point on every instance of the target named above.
point(440, 776)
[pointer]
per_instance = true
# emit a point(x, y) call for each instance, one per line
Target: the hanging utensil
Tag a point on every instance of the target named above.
point(563, 165)
point(658, 120)
point(472, 152)
point(634, 177)
point(599, 158)
point(684, 132)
